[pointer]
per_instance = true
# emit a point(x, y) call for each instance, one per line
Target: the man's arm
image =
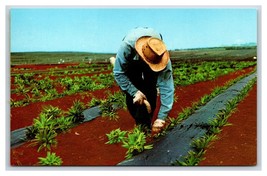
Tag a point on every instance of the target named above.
point(166, 88)
point(121, 65)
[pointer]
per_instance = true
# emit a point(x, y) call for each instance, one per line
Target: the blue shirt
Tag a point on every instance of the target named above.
point(126, 53)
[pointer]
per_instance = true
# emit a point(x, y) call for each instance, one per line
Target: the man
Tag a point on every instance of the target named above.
point(142, 64)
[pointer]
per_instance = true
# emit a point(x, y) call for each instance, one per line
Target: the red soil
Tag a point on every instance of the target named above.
point(85, 144)
point(237, 144)
point(23, 116)
point(43, 66)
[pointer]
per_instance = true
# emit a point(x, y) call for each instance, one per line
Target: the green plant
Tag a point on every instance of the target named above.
point(230, 106)
point(214, 130)
point(107, 80)
point(203, 142)
point(67, 82)
point(221, 119)
point(52, 111)
point(192, 159)
point(216, 91)
point(109, 112)
point(50, 160)
point(173, 122)
point(44, 84)
point(35, 92)
point(51, 93)
point(21, 89)
point(135, 143)
point(76, 111)
point(94, 102)
point(118, 99)
point(185, 113)
point(44, 130)
point(189, 73)
point(204, 99)
point(108, 107)
point(63, 124)
point(43, 121)
point(26, 78)
point(31, 132)
point(46, 135)
point(47, 119)
point(116, 136)
point(46, 138)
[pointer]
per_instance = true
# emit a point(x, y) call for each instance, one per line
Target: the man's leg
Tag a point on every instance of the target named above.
point(139, 112)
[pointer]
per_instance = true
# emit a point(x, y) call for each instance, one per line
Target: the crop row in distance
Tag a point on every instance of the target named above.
point(192, 55)
point(35, 89)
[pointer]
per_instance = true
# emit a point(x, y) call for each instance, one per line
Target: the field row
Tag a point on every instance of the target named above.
point(95, 137)
point(33, 87)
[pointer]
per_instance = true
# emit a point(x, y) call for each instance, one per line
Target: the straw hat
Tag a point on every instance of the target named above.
point(153, 51)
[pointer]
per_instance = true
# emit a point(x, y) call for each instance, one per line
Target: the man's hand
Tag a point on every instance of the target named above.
point(158, 126)
point(139, 98)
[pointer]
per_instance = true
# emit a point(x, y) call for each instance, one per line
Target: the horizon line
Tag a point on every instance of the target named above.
point(251, 44)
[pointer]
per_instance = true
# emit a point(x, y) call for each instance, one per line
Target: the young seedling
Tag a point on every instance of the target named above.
point(50, 160)
point(116, 136)
point(76, 111)
point(203, 142)
point(191, 159)
point(135, 143)
point(45, 136)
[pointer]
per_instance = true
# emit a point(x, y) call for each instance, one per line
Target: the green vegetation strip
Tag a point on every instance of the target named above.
point(52, 120)
point(34, 90)
point(45, 89)
point(117, 136)
point(190, 73)
point(82, 68)
point(172, 149)
point(199, 145)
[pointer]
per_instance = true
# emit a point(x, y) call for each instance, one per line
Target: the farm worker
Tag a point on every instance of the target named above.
point(142, 65)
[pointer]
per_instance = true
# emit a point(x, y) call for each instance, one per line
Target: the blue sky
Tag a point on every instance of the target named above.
point(102, 29)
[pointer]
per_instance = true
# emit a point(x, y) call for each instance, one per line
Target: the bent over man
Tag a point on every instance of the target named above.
point(142, 65)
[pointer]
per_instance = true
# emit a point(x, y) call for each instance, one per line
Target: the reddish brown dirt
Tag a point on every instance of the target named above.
point(85, 144)
point(23, 116)
point(45, 67)
point(237, 144)
point(42, 66)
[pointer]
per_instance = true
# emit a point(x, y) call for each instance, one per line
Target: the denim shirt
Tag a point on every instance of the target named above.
point(126, 53)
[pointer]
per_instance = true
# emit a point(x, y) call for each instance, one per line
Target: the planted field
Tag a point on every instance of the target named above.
point(48, 101)
point(242, 152)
